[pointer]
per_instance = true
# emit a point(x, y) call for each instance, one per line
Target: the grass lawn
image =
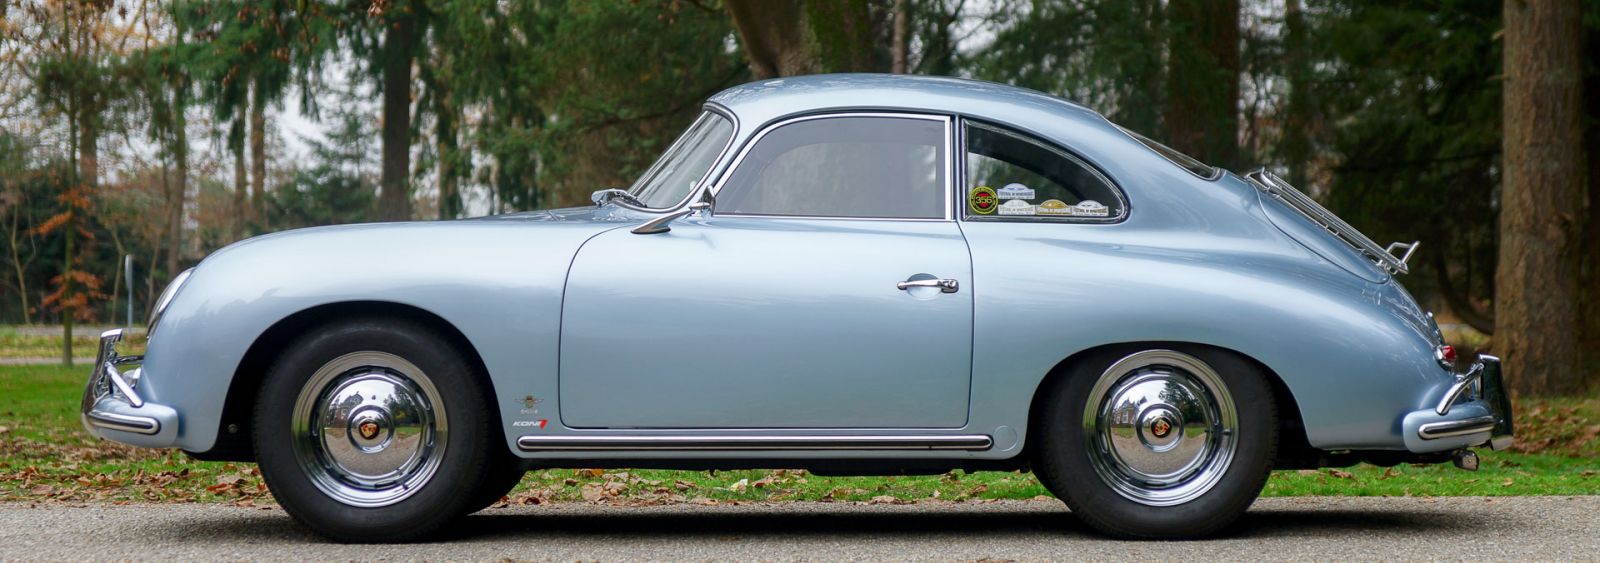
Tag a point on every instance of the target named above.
point(46, 456)
point(15, 343)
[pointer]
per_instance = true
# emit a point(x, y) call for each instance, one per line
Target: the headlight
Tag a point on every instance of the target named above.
point(165, 299)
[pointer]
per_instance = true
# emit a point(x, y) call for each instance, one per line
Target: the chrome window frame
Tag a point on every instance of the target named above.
point(1052, 146)
point(700, 185)
point(949, 163)
point(1216, 171)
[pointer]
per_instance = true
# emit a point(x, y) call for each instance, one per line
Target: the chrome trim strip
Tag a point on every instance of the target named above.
point(949, 172)
point(1459, 388)
point(1463, 427)
point(122, 422)
point(973, 442)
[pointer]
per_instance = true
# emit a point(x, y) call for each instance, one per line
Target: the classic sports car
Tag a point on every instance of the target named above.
point(850, 274)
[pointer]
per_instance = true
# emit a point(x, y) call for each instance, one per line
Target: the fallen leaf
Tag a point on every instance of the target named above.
point(740, 486)
point(1341, 474)
point(590, 472)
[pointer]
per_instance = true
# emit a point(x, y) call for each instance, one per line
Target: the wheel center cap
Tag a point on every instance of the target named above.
point(370, 430)
point(1160, 428)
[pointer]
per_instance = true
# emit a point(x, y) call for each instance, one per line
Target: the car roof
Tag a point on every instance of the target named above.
point(759, 102)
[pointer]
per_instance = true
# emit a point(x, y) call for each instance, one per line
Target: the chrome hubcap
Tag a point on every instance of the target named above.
point(369, 429)
point(1161, 427)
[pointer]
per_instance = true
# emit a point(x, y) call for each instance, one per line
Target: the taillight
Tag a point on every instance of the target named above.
point(1446, 354)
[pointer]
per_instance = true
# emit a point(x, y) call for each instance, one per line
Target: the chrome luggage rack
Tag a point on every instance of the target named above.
point(1383, 257)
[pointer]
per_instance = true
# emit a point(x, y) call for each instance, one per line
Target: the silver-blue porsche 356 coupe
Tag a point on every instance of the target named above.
point(850, 274)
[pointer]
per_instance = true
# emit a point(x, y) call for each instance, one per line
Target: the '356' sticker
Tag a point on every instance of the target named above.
point(982, 200)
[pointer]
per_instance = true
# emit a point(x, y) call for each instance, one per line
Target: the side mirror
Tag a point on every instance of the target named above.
point(660, 224)
point(600, 197)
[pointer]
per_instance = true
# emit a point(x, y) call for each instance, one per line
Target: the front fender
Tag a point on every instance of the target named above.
point(498, 282)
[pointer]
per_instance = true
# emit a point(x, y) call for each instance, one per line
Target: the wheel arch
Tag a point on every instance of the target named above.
point(233, 432)
point(1292, 438)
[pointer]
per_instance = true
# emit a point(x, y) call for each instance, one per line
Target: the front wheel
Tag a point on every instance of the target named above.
point(373, 430)
point(1158, 443)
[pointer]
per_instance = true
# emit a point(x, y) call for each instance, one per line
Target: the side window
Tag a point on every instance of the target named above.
point(1012, 176)
point(860, 166)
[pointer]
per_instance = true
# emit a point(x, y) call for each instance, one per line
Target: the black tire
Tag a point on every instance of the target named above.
point(506, 470)
point(444, 493)
point(1063, 457)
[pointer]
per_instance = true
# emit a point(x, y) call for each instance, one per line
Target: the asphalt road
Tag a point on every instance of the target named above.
point(1303, 528)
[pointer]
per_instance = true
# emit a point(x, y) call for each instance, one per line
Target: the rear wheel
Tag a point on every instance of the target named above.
point(373, 430)
point(1158, 443)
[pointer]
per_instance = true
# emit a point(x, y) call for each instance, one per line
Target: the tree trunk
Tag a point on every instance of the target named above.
point(1590, 282)
point(773, 37)
point(258, 152)
point(841, 32)
point(394, 203)
point(1296, 143)
point(1541, 201)
point(89, 177)
point(1202, 109)
point(180, 185)
point(445, 131)
point(902, 37)
point(241, 184)
point(13, 235)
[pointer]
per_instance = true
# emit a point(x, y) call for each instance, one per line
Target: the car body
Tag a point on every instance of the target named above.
point(839, 329)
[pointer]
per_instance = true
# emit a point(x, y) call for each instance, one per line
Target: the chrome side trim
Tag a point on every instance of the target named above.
point(1458, 389)
point(122, 422)
point(1437, 430)
point(973, 442)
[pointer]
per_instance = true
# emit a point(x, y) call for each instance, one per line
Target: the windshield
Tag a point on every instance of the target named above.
point(672, 177)
point(1189, 163)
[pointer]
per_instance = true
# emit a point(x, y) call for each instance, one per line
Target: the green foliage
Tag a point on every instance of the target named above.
point(1415, 94)
point(1106, 54)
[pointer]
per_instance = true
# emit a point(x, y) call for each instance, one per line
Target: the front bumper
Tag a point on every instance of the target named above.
point(112, 407)
point(1472, 411)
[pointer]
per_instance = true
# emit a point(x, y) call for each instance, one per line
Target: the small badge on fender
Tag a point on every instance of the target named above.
point(982, 200)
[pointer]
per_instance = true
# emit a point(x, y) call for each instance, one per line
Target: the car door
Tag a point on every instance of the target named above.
point(827, 288)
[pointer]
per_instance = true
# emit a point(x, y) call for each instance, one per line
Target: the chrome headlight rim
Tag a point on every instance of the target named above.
point(167, 295)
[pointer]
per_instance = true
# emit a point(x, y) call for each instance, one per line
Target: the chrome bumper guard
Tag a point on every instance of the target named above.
point(1473, 411)
point(112, 407)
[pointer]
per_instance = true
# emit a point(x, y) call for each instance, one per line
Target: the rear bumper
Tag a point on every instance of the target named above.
point(1473, 411)
point(112, 408)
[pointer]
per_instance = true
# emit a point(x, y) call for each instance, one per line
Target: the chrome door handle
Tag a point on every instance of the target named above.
point(944, 285)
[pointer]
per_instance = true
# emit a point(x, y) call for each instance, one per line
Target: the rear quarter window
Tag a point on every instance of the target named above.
point(1014, 176)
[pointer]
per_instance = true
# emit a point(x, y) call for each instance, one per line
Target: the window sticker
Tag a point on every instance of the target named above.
point(982, 200)
point(1091, 208)
point(1086, 208)
point(1054, 207)
point(1016, 207)
point(1016, 191)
